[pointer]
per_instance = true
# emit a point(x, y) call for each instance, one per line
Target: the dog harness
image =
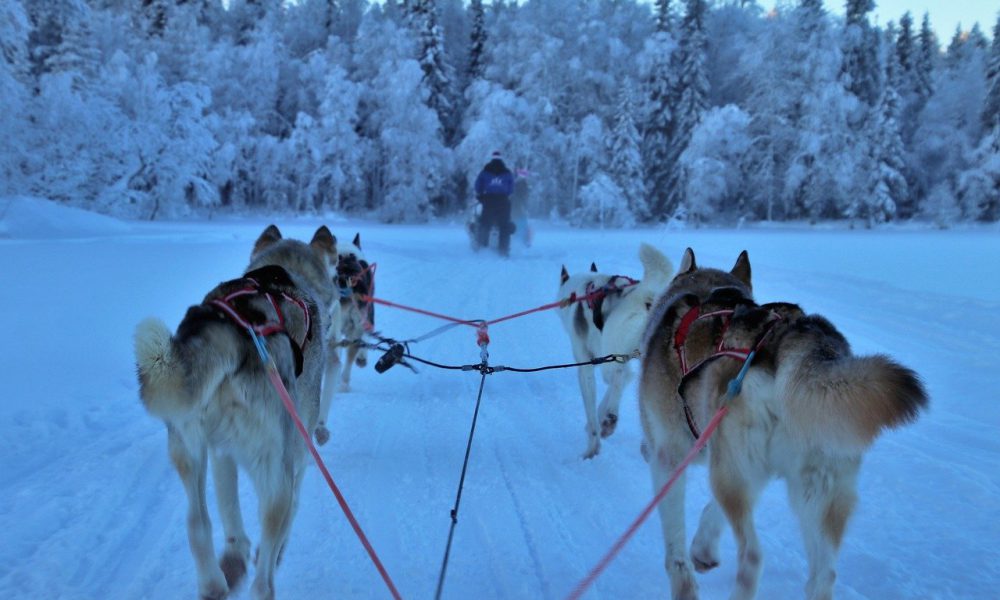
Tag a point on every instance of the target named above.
point(742, 354)
point(595, 296)
point(266, 282)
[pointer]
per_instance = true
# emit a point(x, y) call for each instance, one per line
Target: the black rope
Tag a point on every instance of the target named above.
point(488, 370)
point(461, 484)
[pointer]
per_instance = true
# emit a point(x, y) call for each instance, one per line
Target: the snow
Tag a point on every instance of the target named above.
point(90, 506)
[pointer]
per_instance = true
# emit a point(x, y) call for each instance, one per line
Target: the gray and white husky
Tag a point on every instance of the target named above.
point(807, 411)
point(208, 385)
point(609, 319)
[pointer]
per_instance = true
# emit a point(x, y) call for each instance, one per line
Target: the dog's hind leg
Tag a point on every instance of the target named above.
point(237, 549)
point(333, 366)
point(275, 483)
point(588, 385)
point(823, 497)
point(664, 460)
point(190, 459)
point(705, 546)
point(736, 485)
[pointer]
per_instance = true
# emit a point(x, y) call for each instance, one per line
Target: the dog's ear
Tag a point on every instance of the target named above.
point(741, 270)
point(324, 240)
point(357, 240)
point(593, 267)
point(688, 263)
point(270, 235)
point(563, 276)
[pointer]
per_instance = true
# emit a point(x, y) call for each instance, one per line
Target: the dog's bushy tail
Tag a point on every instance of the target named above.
point(849, 401)
point(176, 376)
point(655, 264)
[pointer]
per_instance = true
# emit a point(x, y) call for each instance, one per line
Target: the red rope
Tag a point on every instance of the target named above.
point(477, 323)
point(272, 372)
point(587, 581)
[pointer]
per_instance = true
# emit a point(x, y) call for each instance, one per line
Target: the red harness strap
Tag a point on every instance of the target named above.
point(680, 337)
point(225, 304)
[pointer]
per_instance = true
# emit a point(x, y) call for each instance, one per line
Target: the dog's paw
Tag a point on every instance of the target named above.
point(322, 434)
point(344, 386)
point(213, 590)
point(361, 361)
point(704, 563)
point(234, 567)
point(608, 424)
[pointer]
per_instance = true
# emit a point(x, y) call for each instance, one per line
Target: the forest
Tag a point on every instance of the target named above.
point(617, 112)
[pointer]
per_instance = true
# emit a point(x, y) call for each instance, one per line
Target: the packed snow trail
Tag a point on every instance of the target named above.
point(90, 506)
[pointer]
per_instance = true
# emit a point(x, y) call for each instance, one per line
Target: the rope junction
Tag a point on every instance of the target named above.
point(398, 352)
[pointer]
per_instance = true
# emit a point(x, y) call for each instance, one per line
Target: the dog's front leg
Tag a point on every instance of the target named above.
point(736, 483)
point(585, 374)
point(617, 377)
point(823, 497)
point(190, 459)
point(665, 458)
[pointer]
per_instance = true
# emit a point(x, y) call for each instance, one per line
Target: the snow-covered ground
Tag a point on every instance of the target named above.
point(90, 507)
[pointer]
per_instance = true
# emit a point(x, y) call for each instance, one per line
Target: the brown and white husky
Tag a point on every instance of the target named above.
point(807, 411)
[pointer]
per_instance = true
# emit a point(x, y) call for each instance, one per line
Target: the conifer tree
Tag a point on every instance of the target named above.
point(888, 191)
point(659, 114)
point(478, 38)
point(905, 47)
point(439, 75)
point(924, 64)
point(861, 52)
point(626, 161)
point(691, 100)
point(991, 106)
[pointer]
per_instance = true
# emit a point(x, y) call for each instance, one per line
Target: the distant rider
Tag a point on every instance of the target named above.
point(493, 188)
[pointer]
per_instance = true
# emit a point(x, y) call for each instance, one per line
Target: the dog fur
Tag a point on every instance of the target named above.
point(208, 385)
point(807, 411)
point(616, 329)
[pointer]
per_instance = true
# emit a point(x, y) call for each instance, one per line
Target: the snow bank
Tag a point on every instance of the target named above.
point(27, 218)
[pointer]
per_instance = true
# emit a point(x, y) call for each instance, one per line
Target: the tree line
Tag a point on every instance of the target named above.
point(620, 112)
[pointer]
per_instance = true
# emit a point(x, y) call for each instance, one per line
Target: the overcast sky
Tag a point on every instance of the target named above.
point(945, 14)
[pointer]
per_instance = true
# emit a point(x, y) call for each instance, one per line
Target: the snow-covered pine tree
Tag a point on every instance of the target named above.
point(979, 186)
point(888, 190)
point(691, 100)
point(14, 68)
point(906, 51)
point(658, 125)
point(478, 39)
point(439, 75)
point(861, 52)
point(991, 106)
point(927, 51)
point(626, 161)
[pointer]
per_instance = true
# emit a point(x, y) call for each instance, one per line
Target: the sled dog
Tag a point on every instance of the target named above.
point(807, 410)
point(608, 319)
point(209, 386)
point(355, 280)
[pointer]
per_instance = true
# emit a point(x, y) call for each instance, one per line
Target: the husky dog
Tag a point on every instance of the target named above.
point(207, 383)
point(608, 319)
point(807, 411)
point(355, 280)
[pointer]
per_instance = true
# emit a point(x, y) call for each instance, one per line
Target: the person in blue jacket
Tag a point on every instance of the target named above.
point(493, 188)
